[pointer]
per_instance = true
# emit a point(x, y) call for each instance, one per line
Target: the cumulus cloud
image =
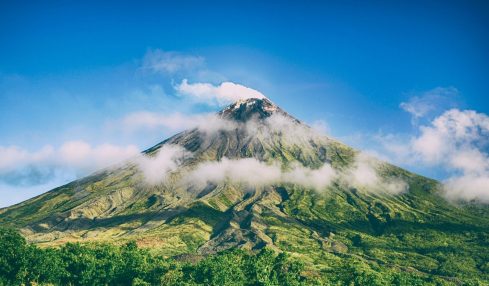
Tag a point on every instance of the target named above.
point(421, 105)
point(453, 138)
point(159, 61)
point(156, 168)
point(225, 93)
point(456, 141)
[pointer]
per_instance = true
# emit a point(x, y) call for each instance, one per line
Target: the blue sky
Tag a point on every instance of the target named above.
point(69, 72)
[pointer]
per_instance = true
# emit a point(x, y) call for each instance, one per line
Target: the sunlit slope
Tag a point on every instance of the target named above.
point(407, 230)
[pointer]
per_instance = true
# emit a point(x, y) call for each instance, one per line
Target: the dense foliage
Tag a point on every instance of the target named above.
point(108, 264)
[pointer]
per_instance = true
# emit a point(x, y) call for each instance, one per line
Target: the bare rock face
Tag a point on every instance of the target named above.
point(244, 110)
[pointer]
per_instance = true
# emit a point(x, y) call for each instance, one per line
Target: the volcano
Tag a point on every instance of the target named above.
point(253, 176)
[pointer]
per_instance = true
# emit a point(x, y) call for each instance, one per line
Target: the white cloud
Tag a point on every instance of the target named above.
point(14, 157)
point(313, 178)
point(253, 172)
point(469, 160)
point(421, 105)
point(459, 141)
point(456, 141)
point(468, 187)
point(454, 133)
point(290, 130)
point(225, 93)
point(159, 61)
point(78, 156)
point(248, 170)
point(156, 168)
point(364, 173)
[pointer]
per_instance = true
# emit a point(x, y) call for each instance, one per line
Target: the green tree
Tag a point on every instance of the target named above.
point(44, 266)
point(223, 269)
point(287, 272)
point(13, 257)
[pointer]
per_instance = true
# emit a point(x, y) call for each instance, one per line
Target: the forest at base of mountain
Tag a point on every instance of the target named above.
point(22, 263)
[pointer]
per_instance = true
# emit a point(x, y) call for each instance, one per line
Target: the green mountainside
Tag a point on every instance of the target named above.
point(416, 231)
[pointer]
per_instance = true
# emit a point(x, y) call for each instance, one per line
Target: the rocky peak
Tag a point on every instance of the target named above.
point(245, 109)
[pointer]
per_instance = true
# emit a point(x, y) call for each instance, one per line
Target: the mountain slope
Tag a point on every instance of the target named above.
point(323, 222)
